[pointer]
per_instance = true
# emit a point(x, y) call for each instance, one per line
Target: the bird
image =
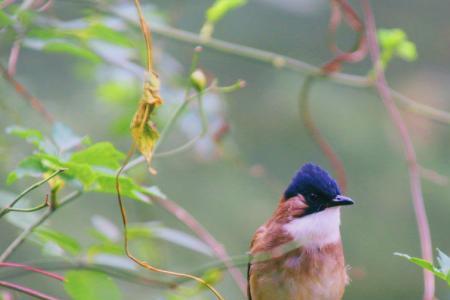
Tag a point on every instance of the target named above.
point(298, 254)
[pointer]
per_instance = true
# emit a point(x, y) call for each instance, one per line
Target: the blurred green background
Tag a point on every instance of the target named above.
point(233, 192)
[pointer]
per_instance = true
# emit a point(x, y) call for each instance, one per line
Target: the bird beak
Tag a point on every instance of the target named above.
point(341, 200)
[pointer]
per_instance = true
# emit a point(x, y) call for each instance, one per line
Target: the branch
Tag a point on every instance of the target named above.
point(9, 208)
point(187, 219)
point(32, 209)
point(26, 290)
point(433, 176)
point(121, 274)
point(410, 154)
point(32, 269)
point(285, 62)
point(141, 122)
point(21, 238)
point(317, 136)
point(277, 60)
point(35, 103)
point(14, 57)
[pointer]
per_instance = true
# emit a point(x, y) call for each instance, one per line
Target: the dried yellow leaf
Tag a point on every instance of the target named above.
point(143, 130)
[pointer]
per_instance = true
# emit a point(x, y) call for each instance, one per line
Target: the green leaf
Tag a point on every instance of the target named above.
point(11, 178)
point(82, 172)
point(26, 17)
point(424, 264)
point(108, 248)
point(394, 42)
point(407, 51)
point(221, 7)
point(64, 241)
point(31, 166)
point(32, 136)
point(117, 92)
point(45, 33)
point(104, 33)
point(5, 20)
point(391, 38)
point(69, 48)
point(102, 154)
point(213, 276)
point(444, 263)
point(106, 183)
point(90, 285)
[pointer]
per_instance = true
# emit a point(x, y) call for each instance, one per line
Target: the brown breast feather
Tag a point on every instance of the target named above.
point(299, 274)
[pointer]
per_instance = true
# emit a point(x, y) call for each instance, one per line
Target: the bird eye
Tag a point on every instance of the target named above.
point(313, 196)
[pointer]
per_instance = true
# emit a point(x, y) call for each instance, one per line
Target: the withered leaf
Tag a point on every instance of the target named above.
point(143, 130)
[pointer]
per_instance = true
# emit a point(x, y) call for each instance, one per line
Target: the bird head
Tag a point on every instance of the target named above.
point(317, 189)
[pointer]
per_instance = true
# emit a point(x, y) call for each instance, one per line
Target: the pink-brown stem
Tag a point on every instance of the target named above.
point(35, 103)
point(410, 154)
point(185, 217)
point(26, 290)
point(336, 163)
point(31, 269)
point(14, 57)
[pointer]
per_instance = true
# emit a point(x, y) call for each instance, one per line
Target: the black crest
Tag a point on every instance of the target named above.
point(312, 179)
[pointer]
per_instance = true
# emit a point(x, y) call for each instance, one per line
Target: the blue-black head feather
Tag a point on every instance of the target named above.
point(312, 180)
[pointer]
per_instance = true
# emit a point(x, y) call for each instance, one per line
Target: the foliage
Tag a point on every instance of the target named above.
point(89, 285)
point(216, 12)
point(92, 168)
point(104, 42)
point(221, 7)
point(395, 43)
point(442, 271)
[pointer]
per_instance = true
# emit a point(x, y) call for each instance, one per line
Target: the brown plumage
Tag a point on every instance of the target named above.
point(297, 254)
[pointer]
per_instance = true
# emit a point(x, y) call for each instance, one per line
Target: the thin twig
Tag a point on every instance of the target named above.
point(35, 103)
point(26, 290)
point(181, 214)
point(14, 57)
point(44, 204)
point(115, 272)
point(433, 176)
point(317, 136)
point(153, 89)
point(286, 62)
point(281, 61)
point(176, 114)
point(31, 269)
point(22, 236)
point(128, 252)
point(7, 209)
point(410, 153)
point(275, 59)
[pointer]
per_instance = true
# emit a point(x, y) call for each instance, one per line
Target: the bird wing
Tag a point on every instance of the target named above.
point(249, 292)
point(256, 237)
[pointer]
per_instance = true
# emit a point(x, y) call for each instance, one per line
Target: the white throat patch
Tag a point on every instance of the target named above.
point(317, 229)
